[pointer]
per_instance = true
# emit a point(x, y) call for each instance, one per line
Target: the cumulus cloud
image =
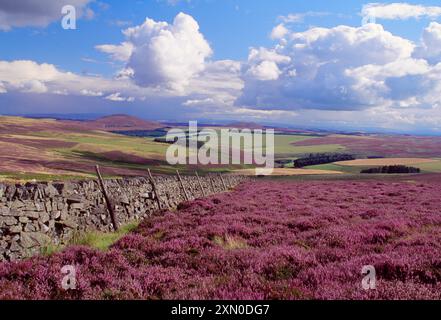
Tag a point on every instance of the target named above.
point(120, 52)
point(430, 47)
point(37, 13)
point(312, 69)
point(348, 76)
point(400, 11)
point(162, 54)
point(31, 77)
point(279, 31)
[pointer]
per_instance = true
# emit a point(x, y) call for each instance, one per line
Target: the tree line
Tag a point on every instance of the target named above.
point(322, 158)
point(392, 169)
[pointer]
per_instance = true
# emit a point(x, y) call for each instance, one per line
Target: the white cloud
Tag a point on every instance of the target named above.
point(279, 31)
point(163, 55)
point(400, 11)
point(37, 13)
point(310, 69)
point(430, 47)
point(348, 76)
point(265, 70)
point(91, 93)
point(300, 17)
point(118, 98)
point(29, 76)
point(120, 52)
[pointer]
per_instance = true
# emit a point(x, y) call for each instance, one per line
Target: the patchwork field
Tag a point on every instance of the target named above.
point(289, 172)
point(385, 162)
point(306, 240)
point(400, 146)
point(47, 149)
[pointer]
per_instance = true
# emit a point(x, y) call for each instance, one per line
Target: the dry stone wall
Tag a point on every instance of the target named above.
point(37, 214)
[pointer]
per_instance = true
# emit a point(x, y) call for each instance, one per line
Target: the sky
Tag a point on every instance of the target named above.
point(346, 65)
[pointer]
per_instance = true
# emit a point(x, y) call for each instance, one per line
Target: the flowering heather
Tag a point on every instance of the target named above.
point(266, 240)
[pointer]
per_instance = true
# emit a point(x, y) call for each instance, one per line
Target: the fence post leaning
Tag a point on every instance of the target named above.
point(223, 182)
point(155, 191)
point(212, 183)
point(107, 199)
point(182, 186)
point(200, 184)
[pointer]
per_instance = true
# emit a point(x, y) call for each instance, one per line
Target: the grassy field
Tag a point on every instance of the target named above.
point(47, 150)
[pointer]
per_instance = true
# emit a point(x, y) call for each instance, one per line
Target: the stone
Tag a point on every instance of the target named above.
point(34, 239)
point(48, 206)
point(23, 219)
point(31, 214)
point(64, 215)
point(29, 227)
point(3, 244)
point(51, 224)
point(67, 223)
point(38, 206)
point(55, 214)
point(30, 206)
point(74, 199)
point(5, 211)
point(44, 217)
point(9, 221)
point(44, 228)
point(50, 191)
point(15, 247)
point(77, 206)
point(124, 200)
point(15, 229)
point(10, 191)
point(17, 204)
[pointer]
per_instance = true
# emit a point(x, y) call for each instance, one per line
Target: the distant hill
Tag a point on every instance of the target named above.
point(118, 122)
point(244, 125)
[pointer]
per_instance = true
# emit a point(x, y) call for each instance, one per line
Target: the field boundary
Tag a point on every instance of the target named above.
point(34, 215)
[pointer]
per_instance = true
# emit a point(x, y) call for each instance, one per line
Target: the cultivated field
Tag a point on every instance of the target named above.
point(267, 240)
point(399, 146)
point(47, 149)
point(385, 162)
point(287, 172)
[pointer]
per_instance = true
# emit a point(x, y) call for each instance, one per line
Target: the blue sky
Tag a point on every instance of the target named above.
point(224, 60)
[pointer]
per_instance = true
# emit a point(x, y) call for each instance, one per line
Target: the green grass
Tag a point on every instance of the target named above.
point(93, 239)
point(430, 166)
point(336, 167)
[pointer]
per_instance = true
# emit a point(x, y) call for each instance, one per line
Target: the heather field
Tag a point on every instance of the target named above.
point(267, 240)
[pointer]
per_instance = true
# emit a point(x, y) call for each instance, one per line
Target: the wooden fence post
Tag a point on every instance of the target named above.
point(107, 199)
point(200, 184)
point(155, 190)
point(182, 185)
point(212, 184)
point(223, 182)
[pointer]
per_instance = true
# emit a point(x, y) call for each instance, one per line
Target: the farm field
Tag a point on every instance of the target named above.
point(47, 149)
point(385, 162)
point(305, 241)
point(289, 172)
point(390, 146)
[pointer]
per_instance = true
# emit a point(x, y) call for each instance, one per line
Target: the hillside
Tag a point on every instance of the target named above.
point(120, 122)
point(45, 149)
point(305, 241)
